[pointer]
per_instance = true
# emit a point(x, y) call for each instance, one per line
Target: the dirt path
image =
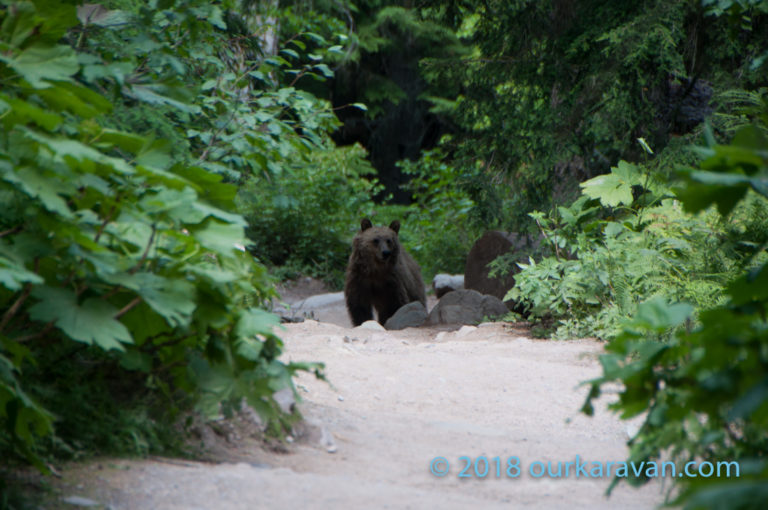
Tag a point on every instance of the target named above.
point(397, 400)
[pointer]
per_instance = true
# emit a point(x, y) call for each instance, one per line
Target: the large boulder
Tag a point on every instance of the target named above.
point(465, 307)
point(491, 245)
point(411, 315)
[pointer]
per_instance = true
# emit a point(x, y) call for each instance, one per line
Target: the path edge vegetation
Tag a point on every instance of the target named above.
point(154, 142)
point(127, 295)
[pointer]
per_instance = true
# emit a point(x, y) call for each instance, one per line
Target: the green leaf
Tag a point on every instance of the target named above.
point(751, 287)
point(129, 142)
point(754, 397)
point(17, 28)
point(31, 182)
point(220, 237)
point(615, 188)
point(92, 322)
point(645, 146)
point(697, 196)
point(216, 17)
point(41, 64)
point(174, 299)
point(323, 68)
point(22, 112)
point(658, 315)
point(254, 322)
point(613, 229)
point(320, 40)
point(13, 274)
point(159, 94)
point(74, 98)
point(94, 14)
point(136, 360)
point(71, 150)
point(208, 185)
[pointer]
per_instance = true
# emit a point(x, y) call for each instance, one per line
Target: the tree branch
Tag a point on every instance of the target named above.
point(135, 301)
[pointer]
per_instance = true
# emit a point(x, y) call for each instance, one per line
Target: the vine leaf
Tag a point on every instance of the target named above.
point(13, 274)
point(90, 323)
point(37, 186)
point(613, 189)
point(174, 299)
point(40, 64)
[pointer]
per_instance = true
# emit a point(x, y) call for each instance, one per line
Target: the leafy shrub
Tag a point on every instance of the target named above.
point(441, 229)
point(305, 215)
point(119, 258)
point(623, 242)
point(703, 391)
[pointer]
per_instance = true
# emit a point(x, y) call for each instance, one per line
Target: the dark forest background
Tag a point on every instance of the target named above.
point(163, 164)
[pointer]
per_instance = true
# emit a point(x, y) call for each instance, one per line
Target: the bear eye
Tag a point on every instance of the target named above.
point(376, 242)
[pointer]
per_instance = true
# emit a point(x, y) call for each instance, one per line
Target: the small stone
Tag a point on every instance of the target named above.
point(80, 501)
point(341, 399)
point(373, 325)
point(327, 440)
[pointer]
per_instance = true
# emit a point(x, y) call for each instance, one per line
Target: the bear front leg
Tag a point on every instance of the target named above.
point(385, 310)
point(358, 305)
point(359, 314)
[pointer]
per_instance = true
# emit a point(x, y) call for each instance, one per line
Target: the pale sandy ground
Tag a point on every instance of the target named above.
point(396, 401)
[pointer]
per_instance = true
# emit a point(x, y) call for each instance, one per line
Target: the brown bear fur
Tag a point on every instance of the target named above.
point(380, 274)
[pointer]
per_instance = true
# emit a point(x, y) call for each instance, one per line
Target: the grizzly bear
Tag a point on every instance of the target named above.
point(380, 274)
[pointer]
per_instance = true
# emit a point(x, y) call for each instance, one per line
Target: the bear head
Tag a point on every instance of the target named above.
point(379, 243)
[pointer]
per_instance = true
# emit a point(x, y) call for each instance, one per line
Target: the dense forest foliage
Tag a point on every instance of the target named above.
point(162, 163)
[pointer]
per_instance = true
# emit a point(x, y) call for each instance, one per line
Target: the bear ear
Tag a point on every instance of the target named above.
point(365, 224)
point(395, 225)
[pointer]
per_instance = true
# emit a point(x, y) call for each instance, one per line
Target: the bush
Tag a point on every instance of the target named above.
point(441, 229)
point(121, 280)
point(625, 241)
point(703, 391)
point(304, 216)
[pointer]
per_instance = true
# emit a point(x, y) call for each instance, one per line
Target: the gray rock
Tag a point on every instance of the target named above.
point(442, 283)
point(465, 307)
point(409, 316)
point(319, 301)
